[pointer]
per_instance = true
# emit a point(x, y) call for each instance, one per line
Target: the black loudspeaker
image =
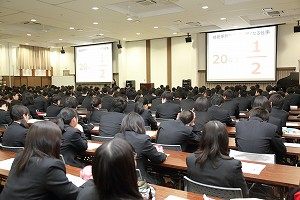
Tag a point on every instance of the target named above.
point(187, 82)
point(188, 39)
point(130, 83)
point(296, 29)
point(119, 46)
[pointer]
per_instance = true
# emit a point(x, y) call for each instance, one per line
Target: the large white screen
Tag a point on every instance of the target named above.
point(242, 55)
point(93, 63)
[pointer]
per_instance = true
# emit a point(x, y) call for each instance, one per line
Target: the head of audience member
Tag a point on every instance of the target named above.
point(201, 104)
point(96, 102)
point(133, 122)
point(109, 178)
point(290, 90)
point(243, 93)
point(228, 94)
point(43, 140)
point(259, 112)
point(70, 102)
point(217, 100)
point(258, 92)
point(3, 105)
point(15, 96)
point(276, 101)
point(119, 104)
point(213, 142)
point(27, 99)
point(261, 101)
point(187, 117)
point(207, 92)
point(20, 113)
point(68, 116)
point(131, 94)
point(141, 105)
point(8, 98)
point(269, 88)
point(167, 96)
point(56, 99)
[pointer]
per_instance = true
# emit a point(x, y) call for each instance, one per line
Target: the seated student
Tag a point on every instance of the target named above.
point(41, 102)
point(86, 103)
point(216, 112)
point(131, 95)
point(256, 135)
point(15, 133)
point(187, 103)
point(211, 163)
point(4, 113)
point(107, 99)
point(276, 101)
point(54, 109)
point(37, 172)
point(28, 101)
point(133, 131)
point(141, 108)
point(167, 110)
point(110, 122)
point(15, 100)
point(177, 131)
point(201, 115)
point(229, 104)
point(243, 100)
point(96, 112)
point(109, 180)
point(74, 141)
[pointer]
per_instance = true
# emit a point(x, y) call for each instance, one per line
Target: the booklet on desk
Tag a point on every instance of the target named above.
point(252, 168)
point(6, 164)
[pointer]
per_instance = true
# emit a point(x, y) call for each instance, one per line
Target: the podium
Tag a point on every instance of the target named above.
point(148, 86)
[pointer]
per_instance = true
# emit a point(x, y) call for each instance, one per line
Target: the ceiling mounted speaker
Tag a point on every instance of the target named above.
point(62, 51)
point(188, 38)
point(119, 45)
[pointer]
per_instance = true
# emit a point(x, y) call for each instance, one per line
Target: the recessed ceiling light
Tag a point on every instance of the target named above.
point(95, 8)
point(72, 28)
point(235, 26)
point(129, 18)
point(100, 34)
point(60, 39)
point(26, 43)
point(95, 23)
point(204, 7)
point(33, 20)
point(138, 33)
point(28, 34)
point(223, 18)
point(155, 27)
point(175, 33)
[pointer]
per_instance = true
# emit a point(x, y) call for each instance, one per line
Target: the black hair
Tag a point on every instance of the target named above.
point(133, 122)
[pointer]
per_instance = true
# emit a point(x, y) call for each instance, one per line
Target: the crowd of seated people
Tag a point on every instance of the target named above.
point(184, 111)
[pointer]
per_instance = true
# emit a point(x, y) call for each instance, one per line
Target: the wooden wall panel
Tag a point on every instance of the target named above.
point(46, 81)
point(24, 80)
point(34, 81)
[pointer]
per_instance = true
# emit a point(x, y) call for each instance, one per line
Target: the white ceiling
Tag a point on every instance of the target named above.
point(55, 17)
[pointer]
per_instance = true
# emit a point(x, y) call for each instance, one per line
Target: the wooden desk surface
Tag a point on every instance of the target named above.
point(294, 118)
point(161, 192)
point(2, 129)
point(294, 112)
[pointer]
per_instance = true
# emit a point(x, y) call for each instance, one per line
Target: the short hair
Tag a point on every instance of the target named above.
point(133, 122)
point(96, 101)
point(228, 94)
point(259, 112)
point(18, 111)
point(67, 114)
point(27, 99)
point(243, 93)
point(131, 94)
point(56, 98)
point(213, 143)
point(201, 104)
point(111, 160)
point(290, 90)
point(167, 95)
point(217, 100)
point(119, 104)
point(71, 102)
point(277, 101)
point(261, 101)
point(186, 116)
point(2, 102)
point(139, 106)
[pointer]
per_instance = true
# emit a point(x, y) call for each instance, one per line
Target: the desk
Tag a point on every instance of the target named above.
point(295, 112)
point(294, 118)
point(2, 129)
point(161, 192)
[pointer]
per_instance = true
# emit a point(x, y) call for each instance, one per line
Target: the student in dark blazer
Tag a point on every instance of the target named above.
point(74, 141)
point(276, 101)
point(229, 104)
point(131, 95)
point(188, 103)
point(54, 109)
point(4, 113)
point(41, 102)
point(256, 135)
point(28, 101)
point(216, 112)
point(177, 131)
point(86, 103)
point(15, 133)
point(37, 172)
point(110, 122)
point(211, 163)
point(96, 112)
point(243, 100)
point(107, 99)
point(291, 97)
point(142, 109)
point(109, 182)
point(167, 110)
point(133, 131)
point(201, 115)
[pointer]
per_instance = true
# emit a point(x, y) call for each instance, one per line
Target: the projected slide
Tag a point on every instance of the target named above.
point(242, 55)
point(93, 63)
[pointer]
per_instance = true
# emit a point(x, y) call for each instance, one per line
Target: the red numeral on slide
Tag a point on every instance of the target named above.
point(255, 71)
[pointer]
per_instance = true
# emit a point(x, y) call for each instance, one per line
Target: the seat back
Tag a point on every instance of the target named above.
point(264, 158)
point(139, 175)
point(101, 138)
point(61, 157)
point(214, 191)
point(9, 148)
point(173, 147)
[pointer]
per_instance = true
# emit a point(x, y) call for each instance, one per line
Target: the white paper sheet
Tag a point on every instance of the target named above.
point(92, 145)
point(252, 168)
point(6, 164)
point(291, 124)
point(151, 133)
point(96, 128)
point(172, 197)
point(31, 121)
point(76, 180)
point(292, 145)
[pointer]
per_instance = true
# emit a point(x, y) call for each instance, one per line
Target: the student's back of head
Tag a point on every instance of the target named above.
point(186, 116)
point(277, 101)
point(119, 104)
point(217, 100)
point(259, 112)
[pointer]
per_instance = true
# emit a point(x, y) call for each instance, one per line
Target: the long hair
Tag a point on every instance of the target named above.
point(213, 143)
point(133, 122)
point(139, 106)
point(43, 140)
point(114, 171)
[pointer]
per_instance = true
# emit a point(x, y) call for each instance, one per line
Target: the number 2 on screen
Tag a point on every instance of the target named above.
point(255, 71)
point(102, 73)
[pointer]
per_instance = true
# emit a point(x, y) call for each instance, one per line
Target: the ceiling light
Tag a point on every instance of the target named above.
point(60, 39)
point(155, 27)
point(235, 26)
point(175, 33)
point(95, 8)
point(33, 20)
point(129, 18)
point(98, 35)
point(95, 23)
point(267, 9)
point(71, 28)
point(28, 34)
point(223, 18)
point(26, 43)
point(138, 33)
point(204, 7)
